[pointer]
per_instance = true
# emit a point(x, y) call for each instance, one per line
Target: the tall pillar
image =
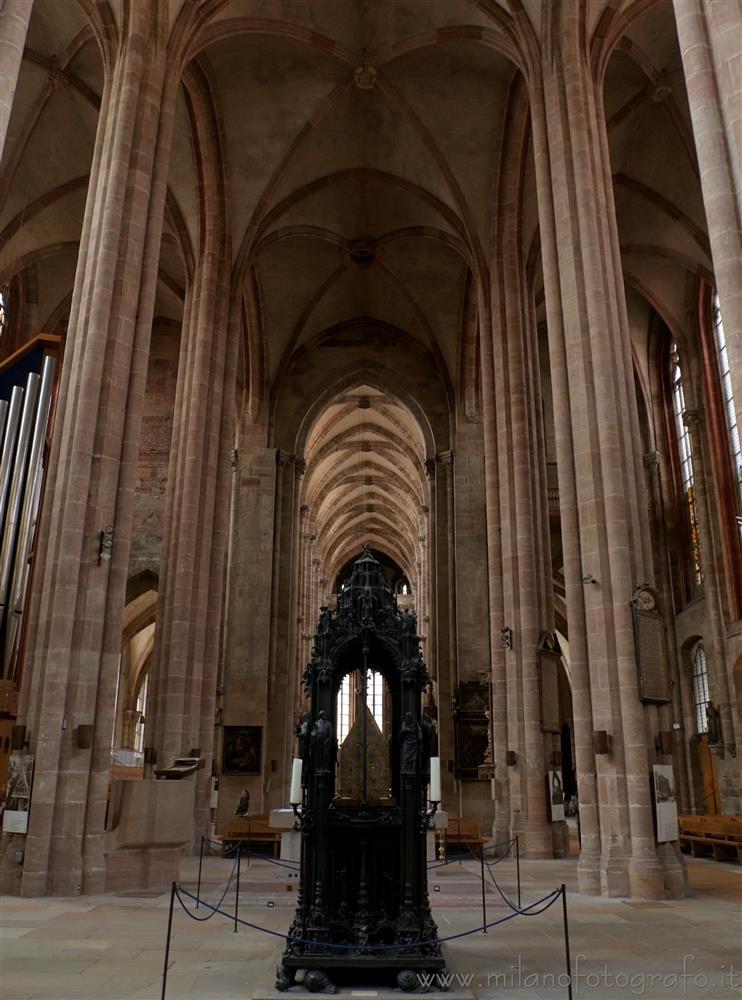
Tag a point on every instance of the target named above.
point(14, 18)
point(589, 336)
point(78, 598)
point(500, 722)
point(709, 36)
point(190, 595)
point(522, 492)
point(711, 560)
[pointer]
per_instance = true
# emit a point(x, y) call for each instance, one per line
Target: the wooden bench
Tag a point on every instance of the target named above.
point(712, 834)
point(251, 830)
point(463, 833)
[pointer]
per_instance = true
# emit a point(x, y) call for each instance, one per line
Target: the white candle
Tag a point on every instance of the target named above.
point(435, 779)
point(295, 796)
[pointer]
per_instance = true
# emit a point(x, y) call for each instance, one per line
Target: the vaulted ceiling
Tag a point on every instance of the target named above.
point(360, 148)
point(360, 145)
point(365, 481)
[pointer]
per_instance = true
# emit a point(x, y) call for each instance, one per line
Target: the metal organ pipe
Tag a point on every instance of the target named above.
point(6, 458)
point(3, 415)
point(17, 485)
point(29, 513)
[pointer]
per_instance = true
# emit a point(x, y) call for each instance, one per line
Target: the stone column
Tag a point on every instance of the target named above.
point(589, 336)
point(14, 18)
point(282, 654)
point(709, 36)
point(77, 600)
point(500, 722)
point(187, 637)
point(711, 559)
point(522, 493)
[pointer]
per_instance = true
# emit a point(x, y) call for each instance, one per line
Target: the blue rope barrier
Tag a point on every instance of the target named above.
point(208, 905)
point(370, 949)
point(293, 865)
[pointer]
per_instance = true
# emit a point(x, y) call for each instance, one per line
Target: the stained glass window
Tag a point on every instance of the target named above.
point(685, 455)
point(727, 397)
point(700, 686)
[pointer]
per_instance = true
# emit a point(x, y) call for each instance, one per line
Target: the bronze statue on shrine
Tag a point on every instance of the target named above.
point(410, 738)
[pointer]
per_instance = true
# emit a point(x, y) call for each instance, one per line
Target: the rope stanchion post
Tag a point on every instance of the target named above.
point(517, 870)
point(167, 943)
point(200, 867)
point(566, 942)
point(237, 888)
point(484, 890)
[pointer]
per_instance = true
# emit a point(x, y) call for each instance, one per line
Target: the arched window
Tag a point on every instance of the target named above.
point(685, 456)
point(727, 398)
point(700, 686)
point(346, 701)
point(142, 709)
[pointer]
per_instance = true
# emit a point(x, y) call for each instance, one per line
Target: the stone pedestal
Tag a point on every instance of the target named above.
point(284, 820)
point(152, 822)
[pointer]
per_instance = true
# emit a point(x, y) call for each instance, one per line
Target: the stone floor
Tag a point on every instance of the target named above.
point(112, 946)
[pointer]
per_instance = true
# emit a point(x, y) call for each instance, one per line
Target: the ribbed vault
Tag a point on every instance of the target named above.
point(365, 481)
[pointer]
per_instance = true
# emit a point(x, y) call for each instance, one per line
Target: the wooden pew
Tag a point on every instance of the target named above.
point(253, 829)
point(463, 833)
point(712, 834)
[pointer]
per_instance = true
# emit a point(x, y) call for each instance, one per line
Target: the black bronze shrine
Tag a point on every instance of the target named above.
point(363, 908)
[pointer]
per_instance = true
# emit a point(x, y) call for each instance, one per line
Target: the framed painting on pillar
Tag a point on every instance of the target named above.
point(242, 749)
point(665, 803)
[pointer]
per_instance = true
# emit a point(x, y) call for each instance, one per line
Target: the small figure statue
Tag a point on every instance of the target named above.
point(325, 620)
point(243, 806)
point(303, 731)
point(321, 743)
point(410, 740)
point(429, 739)
point(713, 722)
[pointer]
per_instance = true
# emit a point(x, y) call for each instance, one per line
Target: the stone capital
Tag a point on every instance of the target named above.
point(693, 419)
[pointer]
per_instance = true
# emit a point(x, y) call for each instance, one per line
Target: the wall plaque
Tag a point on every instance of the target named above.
point(651, 647)
point(471, 724)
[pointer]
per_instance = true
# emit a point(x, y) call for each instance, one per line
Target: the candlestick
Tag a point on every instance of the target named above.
point(435, 779)
point(296, 769)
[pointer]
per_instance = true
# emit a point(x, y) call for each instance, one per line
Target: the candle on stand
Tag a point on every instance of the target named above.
point(295, 796)
point(435, 779)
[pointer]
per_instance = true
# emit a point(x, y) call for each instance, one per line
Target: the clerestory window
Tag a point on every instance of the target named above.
point(685, 455)
point(727, 398)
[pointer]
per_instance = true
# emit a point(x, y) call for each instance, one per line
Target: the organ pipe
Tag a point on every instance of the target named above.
point(17, 486)
point(6, 459)
point(3, 415)
point(29, 514)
